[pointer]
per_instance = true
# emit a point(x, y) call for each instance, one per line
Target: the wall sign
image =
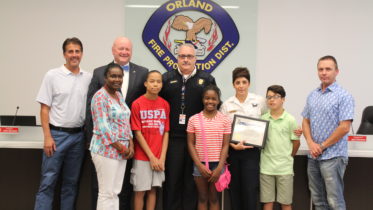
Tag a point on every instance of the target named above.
point(202, 23)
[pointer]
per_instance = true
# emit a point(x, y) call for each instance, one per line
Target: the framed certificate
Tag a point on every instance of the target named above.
point(252, 131)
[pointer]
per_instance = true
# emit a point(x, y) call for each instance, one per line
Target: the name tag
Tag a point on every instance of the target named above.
point(357, 138)
point(182, 118)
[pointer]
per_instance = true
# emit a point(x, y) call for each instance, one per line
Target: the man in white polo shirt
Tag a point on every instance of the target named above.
point(62, 97)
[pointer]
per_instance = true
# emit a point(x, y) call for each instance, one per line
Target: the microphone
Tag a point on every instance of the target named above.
point(15, 116)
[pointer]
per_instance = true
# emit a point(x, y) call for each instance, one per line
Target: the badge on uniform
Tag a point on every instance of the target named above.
point(201, 81)
point(182, 118)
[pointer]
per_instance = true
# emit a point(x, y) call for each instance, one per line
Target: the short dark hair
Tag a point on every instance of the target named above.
point(278, 89)
point(240, 72)
point(152, 71)
point(328, 57)
point(72, 40)
point(213, 88)
point(111, 66)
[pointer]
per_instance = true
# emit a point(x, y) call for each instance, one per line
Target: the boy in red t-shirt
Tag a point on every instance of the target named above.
point(150, 123)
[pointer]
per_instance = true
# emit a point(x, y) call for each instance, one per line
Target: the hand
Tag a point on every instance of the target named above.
point(131, 151)
point(298, 132)
point(240, 146)
point(162, 161)
point(315, 149)
point(206, 173)
point(118, 146)
point(155, 164)
point(128, 154)
point(215, 174)
point(49, 146)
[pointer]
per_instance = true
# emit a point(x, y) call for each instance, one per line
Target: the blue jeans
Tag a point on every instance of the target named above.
point(326, 183)
point(67, 158)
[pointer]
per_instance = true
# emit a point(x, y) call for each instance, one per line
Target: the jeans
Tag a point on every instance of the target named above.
point(326, 183)
point(67, 158)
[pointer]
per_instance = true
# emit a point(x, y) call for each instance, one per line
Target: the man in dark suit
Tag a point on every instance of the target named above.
point(132, 88)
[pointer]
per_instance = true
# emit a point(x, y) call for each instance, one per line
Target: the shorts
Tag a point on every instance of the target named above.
point(143, 178)
point(212, 166)
point(276, 188)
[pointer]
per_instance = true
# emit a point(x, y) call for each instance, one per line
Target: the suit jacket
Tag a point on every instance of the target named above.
point(136, 88)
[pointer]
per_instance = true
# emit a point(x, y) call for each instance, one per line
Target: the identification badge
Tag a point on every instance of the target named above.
point(182, 118)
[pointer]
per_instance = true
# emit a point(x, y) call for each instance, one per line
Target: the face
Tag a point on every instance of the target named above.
point(327, 72)
point(241, 84)
point(122, 51)
point(73, 55)
point(274, 100)
point(186, 59)
point(114, 78)
point(153, 83)
point(211, 100)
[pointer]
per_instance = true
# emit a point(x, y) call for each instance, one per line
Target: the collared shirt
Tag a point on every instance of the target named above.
point(276, 156)
point(65, 93)
point(186, 77)
point(253, 106)
point(110, 124)
point(326, 110)
point(126, 76)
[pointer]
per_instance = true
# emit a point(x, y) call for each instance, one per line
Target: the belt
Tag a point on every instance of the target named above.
point(68, 130)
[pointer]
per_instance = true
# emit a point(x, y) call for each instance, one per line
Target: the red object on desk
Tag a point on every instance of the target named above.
point(357, 138)
point(9, 130)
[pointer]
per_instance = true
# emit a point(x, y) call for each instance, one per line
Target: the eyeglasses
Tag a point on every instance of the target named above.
point(186, 56)
point(273, 97)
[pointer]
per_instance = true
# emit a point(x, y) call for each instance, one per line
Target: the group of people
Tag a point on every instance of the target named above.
point(147, 130)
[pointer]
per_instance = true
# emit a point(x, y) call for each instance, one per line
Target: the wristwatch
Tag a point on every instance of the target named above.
point(322, 146)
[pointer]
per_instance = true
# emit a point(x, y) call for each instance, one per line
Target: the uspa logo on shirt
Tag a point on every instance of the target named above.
point(202, 23)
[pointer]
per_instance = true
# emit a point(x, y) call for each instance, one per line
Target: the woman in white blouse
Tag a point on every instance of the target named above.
point(244, 160)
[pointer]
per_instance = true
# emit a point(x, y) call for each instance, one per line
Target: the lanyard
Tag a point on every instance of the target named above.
point(182, 107)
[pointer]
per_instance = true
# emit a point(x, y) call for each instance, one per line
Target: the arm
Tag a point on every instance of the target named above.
point(298, 131)
point(94, 86)
point(100, 114)
point(121, 148)
point(191, 140)
point(49, 144)
point(154, 162)
point(240, 146)
point(164, 150)
point(315, 149)
point(131, 150)
point(223, 156)
point(296, 144)
point(339, 132)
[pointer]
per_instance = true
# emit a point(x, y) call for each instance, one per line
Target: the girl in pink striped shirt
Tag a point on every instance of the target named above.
point(217, 130)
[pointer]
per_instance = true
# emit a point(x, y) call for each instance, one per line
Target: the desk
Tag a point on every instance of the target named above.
point(20, 160)
point(29, 137)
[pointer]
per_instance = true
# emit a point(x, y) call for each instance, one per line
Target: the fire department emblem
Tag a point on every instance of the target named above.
point(202, 23)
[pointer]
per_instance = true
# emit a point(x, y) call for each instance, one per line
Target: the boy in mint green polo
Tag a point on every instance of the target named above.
point(276, 162)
